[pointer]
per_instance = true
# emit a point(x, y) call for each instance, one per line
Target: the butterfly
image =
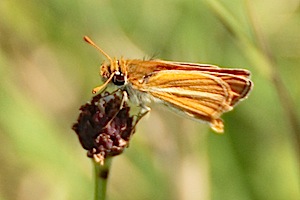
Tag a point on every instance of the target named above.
point(200, 91)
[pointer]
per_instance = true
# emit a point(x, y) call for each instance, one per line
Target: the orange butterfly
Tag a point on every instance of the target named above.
point(200, 91)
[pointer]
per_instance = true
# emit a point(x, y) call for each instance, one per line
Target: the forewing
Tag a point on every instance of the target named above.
point(201, 96)
point(202, 91)
point(237, 79)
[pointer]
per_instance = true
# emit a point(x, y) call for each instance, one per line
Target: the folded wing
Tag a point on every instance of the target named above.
point(203, 95)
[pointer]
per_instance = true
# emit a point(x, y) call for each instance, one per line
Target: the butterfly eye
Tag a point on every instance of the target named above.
point(118, 79)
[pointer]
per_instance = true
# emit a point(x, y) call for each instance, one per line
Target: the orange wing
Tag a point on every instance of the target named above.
point(200, 91)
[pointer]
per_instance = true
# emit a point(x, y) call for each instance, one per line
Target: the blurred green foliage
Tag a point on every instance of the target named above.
point(47, 72)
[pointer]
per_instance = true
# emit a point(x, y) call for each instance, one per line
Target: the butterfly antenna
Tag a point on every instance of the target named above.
point(88, 40)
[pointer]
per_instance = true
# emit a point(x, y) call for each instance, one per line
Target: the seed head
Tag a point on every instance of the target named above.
point(104, 126)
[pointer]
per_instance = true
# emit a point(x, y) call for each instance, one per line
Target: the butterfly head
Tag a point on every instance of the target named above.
point(112, 72)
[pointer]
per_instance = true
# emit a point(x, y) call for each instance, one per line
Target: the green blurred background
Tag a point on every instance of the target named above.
point(47, 72)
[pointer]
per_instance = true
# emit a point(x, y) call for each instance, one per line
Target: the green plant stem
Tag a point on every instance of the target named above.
point(101, 174)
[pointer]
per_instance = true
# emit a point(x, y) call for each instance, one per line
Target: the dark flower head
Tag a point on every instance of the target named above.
point(104, 126)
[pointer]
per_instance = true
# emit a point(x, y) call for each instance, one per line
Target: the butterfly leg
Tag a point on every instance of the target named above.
point(144, 110)
point(123, 100)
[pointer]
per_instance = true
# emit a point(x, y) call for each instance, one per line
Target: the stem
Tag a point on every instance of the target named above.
point(282, 91)
point(101, 177)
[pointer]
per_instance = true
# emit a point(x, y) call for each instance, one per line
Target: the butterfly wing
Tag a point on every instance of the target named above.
point(238, 79)
point(200, 91)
